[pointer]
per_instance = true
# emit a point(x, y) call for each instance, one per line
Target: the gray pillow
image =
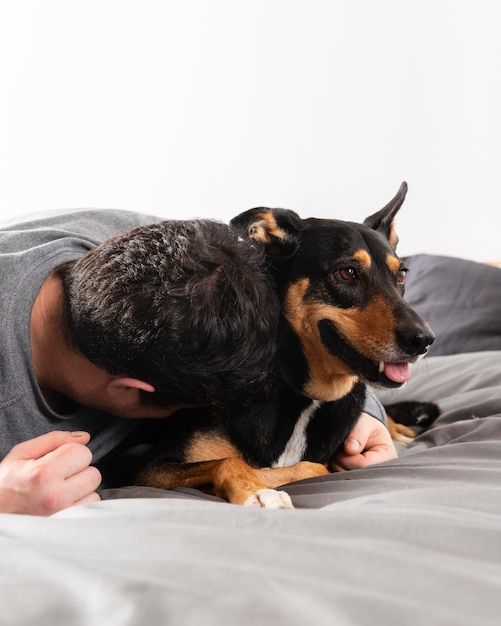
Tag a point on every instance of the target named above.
point(461, 300)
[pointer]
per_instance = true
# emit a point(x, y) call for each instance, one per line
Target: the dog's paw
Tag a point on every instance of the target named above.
point(270, 499)
point(401, 433)
point(402, 439)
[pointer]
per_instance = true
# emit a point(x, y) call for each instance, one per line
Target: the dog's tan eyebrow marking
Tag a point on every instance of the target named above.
point(264, 227)
point(393, 263)
point(363, 257)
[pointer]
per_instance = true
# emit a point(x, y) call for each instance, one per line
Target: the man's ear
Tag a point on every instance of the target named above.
point(383, 220)
point(122, 384)
point(276, 229)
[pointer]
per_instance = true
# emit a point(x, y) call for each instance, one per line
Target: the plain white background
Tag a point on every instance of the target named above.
point(197, 108)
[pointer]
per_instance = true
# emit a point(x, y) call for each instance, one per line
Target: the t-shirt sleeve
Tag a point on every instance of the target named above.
point(374, 407)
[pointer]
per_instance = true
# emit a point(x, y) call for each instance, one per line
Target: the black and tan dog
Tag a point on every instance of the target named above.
point(344, 324)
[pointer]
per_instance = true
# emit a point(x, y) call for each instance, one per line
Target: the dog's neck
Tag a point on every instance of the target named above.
point(330, 388)
point(310, 374)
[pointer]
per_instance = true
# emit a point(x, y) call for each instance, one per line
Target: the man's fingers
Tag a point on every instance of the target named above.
point(352, 446)
point(377, 454)
point(346, 463)
point(56, 495)
point(93, 497)
point(40, 446)
point(360, 433)
point(69, 458)
point(82, 487)
point(49, 473)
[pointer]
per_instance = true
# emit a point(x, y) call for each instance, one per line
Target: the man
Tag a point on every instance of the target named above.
point(110, 315)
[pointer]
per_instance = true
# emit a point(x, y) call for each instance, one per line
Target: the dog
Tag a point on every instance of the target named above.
point(344, 324)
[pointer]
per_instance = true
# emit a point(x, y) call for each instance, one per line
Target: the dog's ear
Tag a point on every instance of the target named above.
point(276, 229)
point(382, 221)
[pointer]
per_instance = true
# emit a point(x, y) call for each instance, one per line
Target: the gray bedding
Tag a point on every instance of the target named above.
point(413, 541)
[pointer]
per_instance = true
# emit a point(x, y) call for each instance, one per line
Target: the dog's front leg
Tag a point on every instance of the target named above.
point(236, 481)
point(230, 478)
point(276, 476)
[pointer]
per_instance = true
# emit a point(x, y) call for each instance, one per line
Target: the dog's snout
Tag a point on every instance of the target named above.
point(415, 340)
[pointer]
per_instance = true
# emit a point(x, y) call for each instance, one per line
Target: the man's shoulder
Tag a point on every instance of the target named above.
point(97, 224)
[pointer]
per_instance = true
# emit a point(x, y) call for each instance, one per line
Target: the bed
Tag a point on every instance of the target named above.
point(413, 541)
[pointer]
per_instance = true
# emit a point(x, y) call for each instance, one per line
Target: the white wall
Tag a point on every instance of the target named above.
point(209, 107)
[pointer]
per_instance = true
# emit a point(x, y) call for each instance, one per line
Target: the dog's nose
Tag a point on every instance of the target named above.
point(415, 340)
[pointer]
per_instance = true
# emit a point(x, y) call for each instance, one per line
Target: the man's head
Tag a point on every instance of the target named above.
point(183, 305)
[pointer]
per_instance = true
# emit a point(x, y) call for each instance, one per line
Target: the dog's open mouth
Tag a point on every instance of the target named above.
point(390, 373)
point(395, 372)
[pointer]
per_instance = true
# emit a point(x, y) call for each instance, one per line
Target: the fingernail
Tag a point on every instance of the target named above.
point(352, 445)
point(78, 433)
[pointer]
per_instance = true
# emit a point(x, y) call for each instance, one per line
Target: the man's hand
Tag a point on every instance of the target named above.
point(368, 443)
point(47, 474)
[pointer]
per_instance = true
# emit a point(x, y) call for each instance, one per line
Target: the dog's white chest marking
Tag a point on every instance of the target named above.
point(294, 450)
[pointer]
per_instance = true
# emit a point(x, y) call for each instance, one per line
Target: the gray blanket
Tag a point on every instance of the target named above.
point(413, 541)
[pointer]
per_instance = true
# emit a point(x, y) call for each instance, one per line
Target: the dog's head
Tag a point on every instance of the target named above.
point(341, 286)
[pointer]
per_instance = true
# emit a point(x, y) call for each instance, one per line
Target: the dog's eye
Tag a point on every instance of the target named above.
point(347, 273)
point(401, 275)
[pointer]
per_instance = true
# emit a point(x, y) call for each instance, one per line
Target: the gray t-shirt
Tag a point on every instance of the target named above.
point(29, 251)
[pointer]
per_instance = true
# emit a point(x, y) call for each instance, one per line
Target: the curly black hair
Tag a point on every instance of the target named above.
point(184, 305)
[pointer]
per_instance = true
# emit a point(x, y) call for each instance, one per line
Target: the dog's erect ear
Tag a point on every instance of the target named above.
point(382, 221)
point(277, 229)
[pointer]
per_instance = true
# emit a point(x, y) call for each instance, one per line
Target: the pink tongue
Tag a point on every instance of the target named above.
point(397, 372)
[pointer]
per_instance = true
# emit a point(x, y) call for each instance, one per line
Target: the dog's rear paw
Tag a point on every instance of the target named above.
point(402, 439)
point(408, 419)
point(270, 499)
point(413, 413)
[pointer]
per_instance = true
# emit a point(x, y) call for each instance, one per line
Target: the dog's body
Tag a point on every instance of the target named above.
point(344, 325)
